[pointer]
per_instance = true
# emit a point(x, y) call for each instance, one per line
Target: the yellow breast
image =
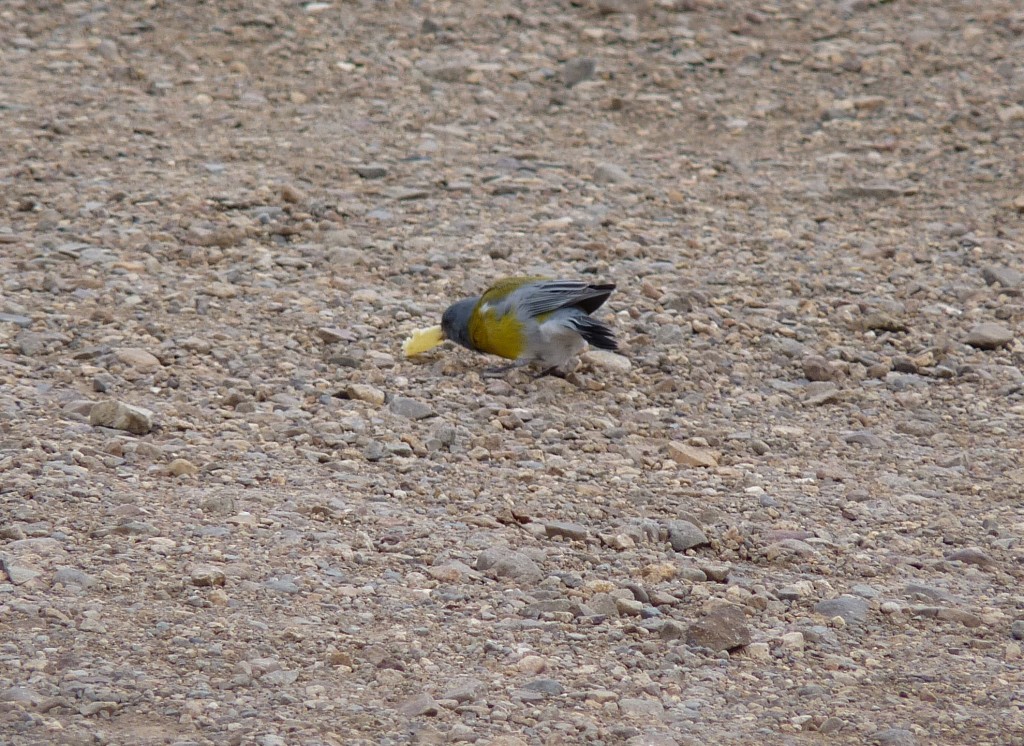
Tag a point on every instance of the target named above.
point(497, 335)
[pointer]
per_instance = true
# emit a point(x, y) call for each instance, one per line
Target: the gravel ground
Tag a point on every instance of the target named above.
point(232, 513)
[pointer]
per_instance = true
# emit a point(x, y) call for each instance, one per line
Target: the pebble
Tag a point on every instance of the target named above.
point(817, 368)
point(1017, 629)
point(135, 357)
point(607, 359)
point(989, 336)
point(724, 628)
point(419, 705)
point(1005, 276)
point(365, 392)
point(205, 576)
point(516, 566)
point(893, 737)
point(609, 173)
point(683, 535)
point(412, 409)
point(120, 416)
point(573, 531)
point(693, 456)
point(851, 609)
point(577, 70)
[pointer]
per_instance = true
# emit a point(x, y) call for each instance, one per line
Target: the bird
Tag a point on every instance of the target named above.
point(527, 320)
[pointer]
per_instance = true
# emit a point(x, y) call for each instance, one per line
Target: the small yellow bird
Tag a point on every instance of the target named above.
point(525, 319)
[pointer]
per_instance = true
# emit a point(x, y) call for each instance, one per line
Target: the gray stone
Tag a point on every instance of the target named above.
point(503, 563)
point(545, 686)
point(421, 704)
point(1005, 276)
point(577, 70)
point(73, 576)
point(573, 531)
point(817, 368)
point(371, 171)
point(465, 690)
point(672, 630)
point(609, 173)
point(412, 409)
point(120, 416)
point(16, 319)
point(989, 336)
point(17, 573)
point(724, 628)
point(853, 610)
point(683, 535)
point(1017, 629)
point(893, 737)
point(971, 556)
point(642, 709)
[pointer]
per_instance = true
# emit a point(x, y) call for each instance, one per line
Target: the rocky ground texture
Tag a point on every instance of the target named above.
point(231, 512)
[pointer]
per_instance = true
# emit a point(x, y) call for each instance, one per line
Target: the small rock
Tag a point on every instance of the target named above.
point(545, 686)
point(371, 171)
point(412, 409)
point(724, 628)
point(853, 610)
point(365, 392)
point(683, 535)
point(880, 321)
point(609, 173)
point(577, 70)
point(120, 416)
point(1017, 629)
point(717, 572)
point(180, 467)
point(893, 737)
point(672, 630)
point(292, 194)
point(607, 359)
point(817, 368)
point(989, 336)
point(466, 690)
point(503, 563)
point(695, 456)
point(569, 530)
point(17, 573)
point(73, 576)
point(205, 576)
point(642, 709)
point(1005, 276)
point(628, 606)
point(971, 556)
point(139, 359)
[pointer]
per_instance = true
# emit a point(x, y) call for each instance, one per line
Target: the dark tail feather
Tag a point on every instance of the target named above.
point(599, 295)
point(596, 333)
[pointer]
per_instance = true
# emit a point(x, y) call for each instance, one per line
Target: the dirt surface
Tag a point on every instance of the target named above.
point(232, 513)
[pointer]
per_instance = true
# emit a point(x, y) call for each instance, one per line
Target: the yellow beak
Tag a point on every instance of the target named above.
point(423, 340)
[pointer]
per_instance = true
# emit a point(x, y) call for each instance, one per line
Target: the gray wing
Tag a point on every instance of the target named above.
point(546, 296)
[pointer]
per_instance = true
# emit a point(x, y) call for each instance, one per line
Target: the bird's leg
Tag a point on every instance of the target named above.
point(503, 369)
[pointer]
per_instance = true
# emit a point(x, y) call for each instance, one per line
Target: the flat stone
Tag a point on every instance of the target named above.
point(465, 690)
point(574, 531)
point(893, 737)
point(139, 359)
point(724, 628)
point(549, 687)
point(412, 409)
point(1005, 276)
point(17, 573)
point(503, 563)
point(694, 456)
point(577, 70)
point(853, 610)
point(371, 171)
point(120, 416)
point(971, 556)
point(989, 336)
point(365, 392)
point(607, 359)
point(641, 709)
point(609, 173)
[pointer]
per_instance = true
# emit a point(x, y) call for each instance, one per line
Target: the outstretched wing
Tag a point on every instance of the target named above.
point(546, 296)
